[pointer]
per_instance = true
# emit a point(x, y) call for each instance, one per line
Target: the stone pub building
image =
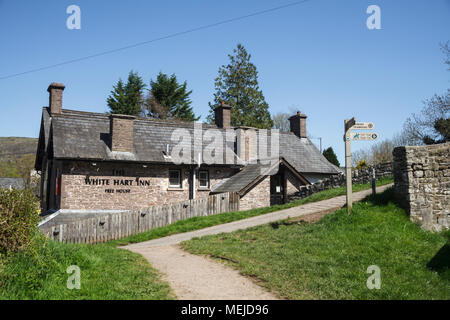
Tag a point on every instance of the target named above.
point(94, 161)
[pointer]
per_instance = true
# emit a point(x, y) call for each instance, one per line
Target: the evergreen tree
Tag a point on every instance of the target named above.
point(237, 85)
point(169, 99)
point(127, 98)
point(331, 156)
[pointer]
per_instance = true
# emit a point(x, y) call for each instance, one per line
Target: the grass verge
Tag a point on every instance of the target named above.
point(105, 273)
point(329, 259)
point(197, 223)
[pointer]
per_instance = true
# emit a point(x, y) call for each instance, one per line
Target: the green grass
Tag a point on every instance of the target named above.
point(106, 273)
point(197, 223)
point(329, 259)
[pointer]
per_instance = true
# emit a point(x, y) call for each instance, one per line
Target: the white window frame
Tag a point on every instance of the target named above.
point(179, 185)
point(207, 181)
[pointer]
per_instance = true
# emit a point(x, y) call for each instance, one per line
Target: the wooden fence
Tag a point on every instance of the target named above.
point(119, 225)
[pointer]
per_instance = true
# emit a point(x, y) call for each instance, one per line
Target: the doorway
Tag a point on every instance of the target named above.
point(277, 189)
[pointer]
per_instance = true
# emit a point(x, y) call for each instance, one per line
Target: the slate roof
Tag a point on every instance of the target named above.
point(44, 135)
point(15, 183)
point(303, 155)
point(242, 179)
point(85, 135)
point(78, 135)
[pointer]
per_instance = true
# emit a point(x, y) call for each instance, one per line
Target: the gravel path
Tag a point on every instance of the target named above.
point(195, 277)
point(200, 278)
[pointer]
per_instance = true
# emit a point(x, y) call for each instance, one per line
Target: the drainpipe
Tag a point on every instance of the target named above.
point(193, 183)
point(193, 174)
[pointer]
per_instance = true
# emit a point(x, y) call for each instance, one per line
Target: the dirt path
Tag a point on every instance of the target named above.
point(200, 278)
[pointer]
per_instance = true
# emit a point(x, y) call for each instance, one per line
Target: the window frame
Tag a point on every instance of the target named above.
point(207, 179)
point(180, 182)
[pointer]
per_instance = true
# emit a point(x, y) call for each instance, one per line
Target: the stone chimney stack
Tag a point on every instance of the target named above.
point(121, 130)
point(298, 124)
point(55, 91)
point(222, 115)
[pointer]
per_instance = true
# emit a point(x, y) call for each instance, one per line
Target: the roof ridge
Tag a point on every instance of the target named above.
point(170, 122)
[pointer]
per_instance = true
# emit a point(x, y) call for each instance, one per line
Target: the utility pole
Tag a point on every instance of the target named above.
point(320, 138)
point(320, 142)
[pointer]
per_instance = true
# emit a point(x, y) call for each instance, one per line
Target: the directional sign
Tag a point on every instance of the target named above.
point(363, 126)
point(360, 136)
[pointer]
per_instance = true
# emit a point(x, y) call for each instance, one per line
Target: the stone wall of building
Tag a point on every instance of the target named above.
point(293, 185)
point(108, 186)
point(258, 197)
point(422, 184)
point(216, 175)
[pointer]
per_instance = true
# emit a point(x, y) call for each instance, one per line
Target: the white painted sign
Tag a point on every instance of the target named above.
point(363, 126)
point(360, 136)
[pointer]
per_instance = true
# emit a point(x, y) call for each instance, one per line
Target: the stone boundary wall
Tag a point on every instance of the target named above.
point(422, 184)
point(382, 170)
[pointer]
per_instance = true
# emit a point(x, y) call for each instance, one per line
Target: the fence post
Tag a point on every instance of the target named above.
point(374, 189)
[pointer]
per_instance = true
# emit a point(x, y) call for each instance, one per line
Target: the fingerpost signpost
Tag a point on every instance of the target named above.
point(351, 124)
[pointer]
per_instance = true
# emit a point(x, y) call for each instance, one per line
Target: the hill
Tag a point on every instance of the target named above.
point(16, 147)
point(17, 156)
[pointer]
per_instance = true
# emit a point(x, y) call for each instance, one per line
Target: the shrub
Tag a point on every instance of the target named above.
point(362, 164)
point(19, 215)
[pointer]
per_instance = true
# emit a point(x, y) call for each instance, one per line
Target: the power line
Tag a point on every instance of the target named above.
point(157, 39)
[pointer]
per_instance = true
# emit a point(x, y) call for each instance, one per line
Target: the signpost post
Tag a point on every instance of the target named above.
point(351, 124)
point(348, 123)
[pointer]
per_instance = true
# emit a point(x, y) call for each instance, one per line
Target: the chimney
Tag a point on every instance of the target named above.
point(298, 124)
point(55, 98)
point(246, 144)
point(222, 115)
point(121, 130)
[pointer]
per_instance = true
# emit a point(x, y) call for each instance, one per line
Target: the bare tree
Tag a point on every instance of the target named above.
point(360, 155)
point(281, 121)
point(421, 127)
point(379, 152)
point(446, 50)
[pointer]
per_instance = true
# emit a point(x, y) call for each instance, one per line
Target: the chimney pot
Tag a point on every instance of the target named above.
point(298, 124)
point(55, 91)
point(222, 115)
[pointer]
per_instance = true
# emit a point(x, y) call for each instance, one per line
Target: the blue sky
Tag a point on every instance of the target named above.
point(318, 57)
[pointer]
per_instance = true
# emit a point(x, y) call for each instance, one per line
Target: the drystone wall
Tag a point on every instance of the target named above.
point(422, 184)
point(382, 170)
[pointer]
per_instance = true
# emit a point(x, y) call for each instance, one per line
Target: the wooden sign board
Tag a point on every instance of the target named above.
point(363, 126)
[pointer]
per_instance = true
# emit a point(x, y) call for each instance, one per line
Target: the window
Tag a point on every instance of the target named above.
point(203, 179)
point(175, 178)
